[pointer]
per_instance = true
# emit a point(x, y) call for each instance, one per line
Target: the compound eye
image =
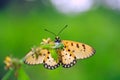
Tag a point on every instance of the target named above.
point(57, 37)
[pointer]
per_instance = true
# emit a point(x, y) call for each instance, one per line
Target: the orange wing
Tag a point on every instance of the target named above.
point(80, 50)
point(39, 56)
point(36, 56)
point(67, 58)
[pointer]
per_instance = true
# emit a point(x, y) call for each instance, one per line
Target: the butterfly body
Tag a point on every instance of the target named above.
point(67, 53)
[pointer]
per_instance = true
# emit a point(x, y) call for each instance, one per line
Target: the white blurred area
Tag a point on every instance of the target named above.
point(113, 4)
point(79, 6)
point(73, 6)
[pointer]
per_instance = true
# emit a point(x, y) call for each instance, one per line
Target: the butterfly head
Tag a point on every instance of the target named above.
point(57, 39)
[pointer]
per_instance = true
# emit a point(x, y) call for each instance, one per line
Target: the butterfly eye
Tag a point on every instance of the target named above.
point(57, 39)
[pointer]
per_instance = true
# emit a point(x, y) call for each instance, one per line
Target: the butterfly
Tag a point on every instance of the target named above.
point(52, 54)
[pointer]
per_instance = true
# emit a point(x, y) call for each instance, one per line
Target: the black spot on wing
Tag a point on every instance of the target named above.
point(83, 47)
point(68, 50)
point(65, 46)
point(73, 50)
point(71, 44)
point(77, 45)
point(43, 61)
point(44, 54)
point(66, 54)
point(47, 57)
point(48, 52)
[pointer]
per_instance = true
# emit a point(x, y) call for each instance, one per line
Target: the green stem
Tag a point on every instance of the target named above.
point(7, 75)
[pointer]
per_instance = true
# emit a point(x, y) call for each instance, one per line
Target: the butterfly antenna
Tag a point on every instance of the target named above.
point(50, 32)
point(62, 29)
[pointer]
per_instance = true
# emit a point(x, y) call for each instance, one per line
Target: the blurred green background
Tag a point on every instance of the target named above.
point(22, 24)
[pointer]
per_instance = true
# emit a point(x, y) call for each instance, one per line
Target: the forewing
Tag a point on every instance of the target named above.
point(80, 50)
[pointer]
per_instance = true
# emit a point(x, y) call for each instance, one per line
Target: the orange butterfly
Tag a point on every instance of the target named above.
point(67, 52)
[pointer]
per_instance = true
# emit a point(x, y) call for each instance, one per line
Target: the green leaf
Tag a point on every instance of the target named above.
point(22, 74)
point(54, 54)
point(46, 46)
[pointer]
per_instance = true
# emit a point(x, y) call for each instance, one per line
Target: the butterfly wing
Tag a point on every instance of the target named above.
point(35, 56)
point(67, 58)
point(80, 50)
point(39, 56)
point(49, 62)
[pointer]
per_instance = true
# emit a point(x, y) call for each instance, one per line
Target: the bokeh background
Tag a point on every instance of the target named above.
point(94, 22)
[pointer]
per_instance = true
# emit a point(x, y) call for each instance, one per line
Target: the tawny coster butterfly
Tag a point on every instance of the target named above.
point(59, 52)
